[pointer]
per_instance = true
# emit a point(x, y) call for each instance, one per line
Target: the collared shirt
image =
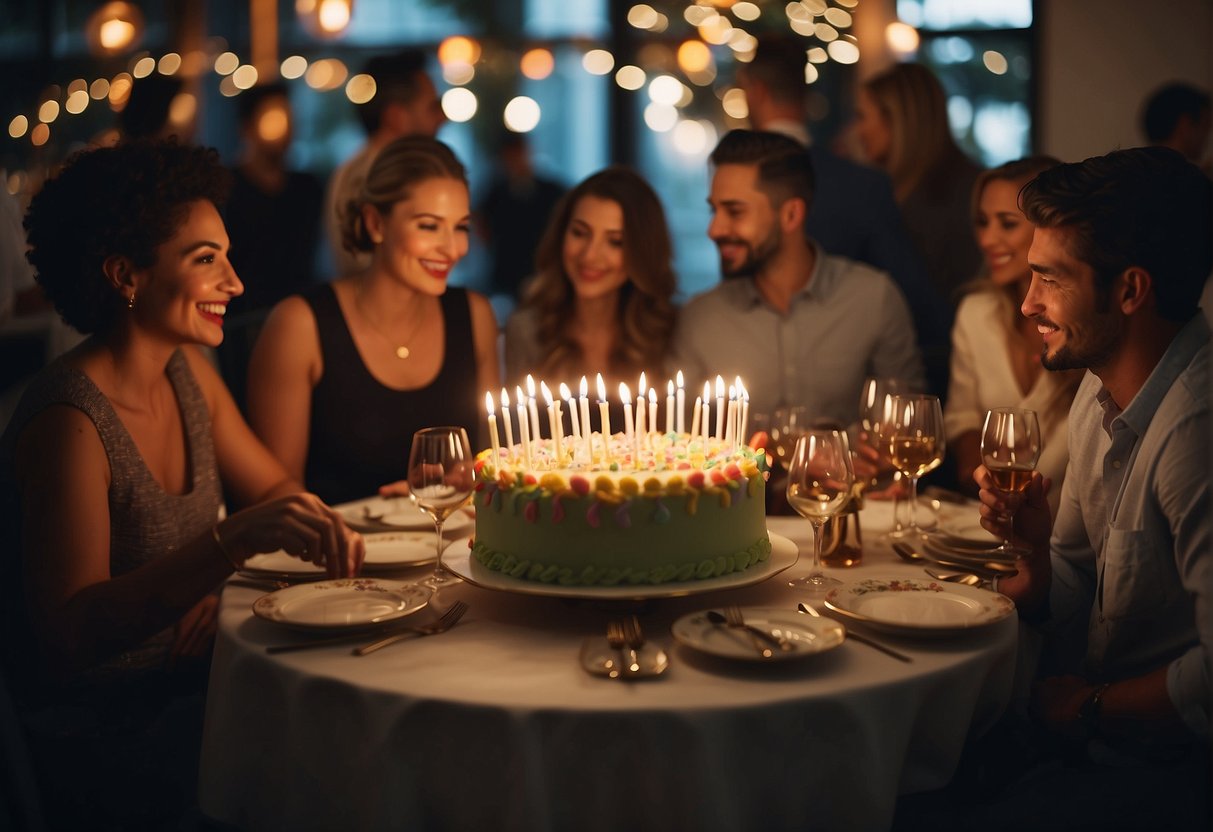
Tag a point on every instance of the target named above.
point(848, 322)
point(1131, 543)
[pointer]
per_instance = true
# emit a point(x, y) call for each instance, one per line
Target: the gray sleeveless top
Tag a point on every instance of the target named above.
point(146, 522)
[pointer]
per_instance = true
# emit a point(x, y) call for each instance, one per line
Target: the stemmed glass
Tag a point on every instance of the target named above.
point(440, 480)
point(786, 426)
point(820, 475)
point(914, 438)
point(1010, 449)
point(875, 409)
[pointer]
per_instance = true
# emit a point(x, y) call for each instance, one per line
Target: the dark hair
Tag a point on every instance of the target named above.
point(401, 165)
point(1146, 206)
point(645, 314)
point(778, 65)
point(125, 200)
point(1017, 171)
point(1167, 105)
point(248, 101)
point(785, 169)
point(148, 107)
point(397, 81)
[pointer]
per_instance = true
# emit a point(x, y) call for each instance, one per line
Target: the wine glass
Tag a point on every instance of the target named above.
point(440, 480)
point(875, 409)
point(785, 427)
point(914, 437)
point(820, 475)
point(1010, 449)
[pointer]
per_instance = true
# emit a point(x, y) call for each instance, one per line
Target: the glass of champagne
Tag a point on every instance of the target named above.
point(875, 409)
point(914, 437)
point(785, 427)
point(820, 475)
point(440, 480)
point(1010, 449)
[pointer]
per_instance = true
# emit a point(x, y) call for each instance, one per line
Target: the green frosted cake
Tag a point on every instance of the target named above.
point(680, 514)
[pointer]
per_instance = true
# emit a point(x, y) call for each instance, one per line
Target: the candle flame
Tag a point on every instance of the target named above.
point(505, 398)
point(652, 396)
point(732, 393)
point(585, 388)
point(679, 377)
point(547, 394)
point(518, 395)
point(530, 385)
point(719, 387)
point(643, 385)
point(745, 394)
point(707, 390)
point(488, 403)
point(625, 395)
point(669, 388)
point(601, 389)
point(565, 392)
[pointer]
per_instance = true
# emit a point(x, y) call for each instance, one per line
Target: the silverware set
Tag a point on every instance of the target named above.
point(862, 639)
point(982, 564)
point(448, 620)
point(765, 643)
point(629, 660)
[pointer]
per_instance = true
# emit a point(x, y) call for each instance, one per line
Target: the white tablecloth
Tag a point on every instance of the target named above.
point(494, 725)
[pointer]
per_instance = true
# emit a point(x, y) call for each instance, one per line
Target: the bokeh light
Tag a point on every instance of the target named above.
point(293, 67)
point(630, 77)
point(537, 63)
point(522, 114)
point(459, 104)
point(598, 62)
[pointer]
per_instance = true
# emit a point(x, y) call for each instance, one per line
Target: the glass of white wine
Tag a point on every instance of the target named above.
point(1010, 449)
point(440, 480)
point(785, 427)
point(914, 437)
point(875, 410)
point(820, 474)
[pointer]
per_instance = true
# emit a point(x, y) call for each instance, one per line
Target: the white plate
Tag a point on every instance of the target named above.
point(397, 513)
point(282, 565)
point(908, 606)
point(968, 526)
point(876, 516)
point(346, 604)
point(458, 559)
point(807, 635)
point(392, 550)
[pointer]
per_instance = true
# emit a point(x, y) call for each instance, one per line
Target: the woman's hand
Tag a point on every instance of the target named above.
point(194, 632)
point(302, 525)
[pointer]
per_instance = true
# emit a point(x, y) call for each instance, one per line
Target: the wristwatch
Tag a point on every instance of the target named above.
point(1088, 711)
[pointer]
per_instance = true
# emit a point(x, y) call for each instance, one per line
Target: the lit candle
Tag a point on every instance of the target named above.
point(605, 415)
point(488, 405)
point(705, 421)
point(640, 422)
point(730, 425)
point(719, 408)
point(552, 424)
point(534, 411)
point(640, 388)
point(567, 395)
point(509, 424)
point(682, 404)
point(524, 429)
point(625, 396)
point(695, 417)
point(669, 407)
point(744, 438)
point(652, 412)
point(587, 432)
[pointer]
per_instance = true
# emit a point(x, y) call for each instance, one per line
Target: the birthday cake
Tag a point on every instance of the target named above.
point(675, 508)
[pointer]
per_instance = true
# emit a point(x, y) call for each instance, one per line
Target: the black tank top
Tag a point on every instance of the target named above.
point(361, 430)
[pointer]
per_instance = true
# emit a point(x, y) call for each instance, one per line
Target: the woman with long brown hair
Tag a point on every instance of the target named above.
point(601, 300)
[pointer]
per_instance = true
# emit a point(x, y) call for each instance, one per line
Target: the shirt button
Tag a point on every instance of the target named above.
point(1116, 464)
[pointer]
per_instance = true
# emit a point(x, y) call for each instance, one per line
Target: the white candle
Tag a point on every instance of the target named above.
point(625, 396)
point(719, 408)
point(567, 395)
point(509, 424)
point(640, 388)
point(695, 417)
point(605, 415)
point(640, 422)
point(553, 424)
point(488, 405)
point(744, 439)
point(705, 420)
point(587, 432)
point(524, 430)
point(682, 404)
point(536, 434)
point(669, 407)
point(652, 412)
point(730, 425)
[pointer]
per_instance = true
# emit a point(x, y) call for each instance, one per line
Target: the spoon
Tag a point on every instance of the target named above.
point(966, 578)
point(906, 553)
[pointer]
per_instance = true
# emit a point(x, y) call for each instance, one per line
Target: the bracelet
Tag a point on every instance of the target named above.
point(1088, 711)
point(223, 549)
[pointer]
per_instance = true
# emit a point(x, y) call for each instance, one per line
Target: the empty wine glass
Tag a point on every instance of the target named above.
point(1010, 449)
point(914, 437)
point(785, 427)
point(440, 478)
point(820, 475)
point(875, 409)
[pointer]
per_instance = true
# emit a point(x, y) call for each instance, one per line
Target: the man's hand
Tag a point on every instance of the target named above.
point(1024, 519)
point(1056, 703)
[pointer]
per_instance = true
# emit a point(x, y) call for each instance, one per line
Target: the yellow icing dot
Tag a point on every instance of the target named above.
point(652, 486)
point(675, 486)
point(604, 484)
point(612, 497)
point(629, 486)
point(552, 482)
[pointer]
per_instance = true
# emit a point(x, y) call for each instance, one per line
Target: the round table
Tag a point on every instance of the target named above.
point(495, 725)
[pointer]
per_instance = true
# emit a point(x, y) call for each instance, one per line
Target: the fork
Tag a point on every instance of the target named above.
point(446, 622)
point(734, 618)
point(853, 636)
point(618, 640)
point(635, 640)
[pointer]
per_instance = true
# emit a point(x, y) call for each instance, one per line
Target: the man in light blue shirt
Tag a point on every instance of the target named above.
point(1119, 258)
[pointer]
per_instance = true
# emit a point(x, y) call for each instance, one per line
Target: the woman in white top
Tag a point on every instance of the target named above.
point(995, 349)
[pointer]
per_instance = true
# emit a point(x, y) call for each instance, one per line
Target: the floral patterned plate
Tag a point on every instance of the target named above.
point(346, 604)
point(907, 606)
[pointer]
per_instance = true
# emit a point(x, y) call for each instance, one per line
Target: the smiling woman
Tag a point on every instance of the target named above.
point(342, 377)
point(110, 486)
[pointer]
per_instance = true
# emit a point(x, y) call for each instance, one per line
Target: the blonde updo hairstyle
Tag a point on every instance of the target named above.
point(399, 167)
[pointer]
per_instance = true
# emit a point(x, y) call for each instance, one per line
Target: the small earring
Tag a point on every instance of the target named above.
point(377, 239)
point(130, 302)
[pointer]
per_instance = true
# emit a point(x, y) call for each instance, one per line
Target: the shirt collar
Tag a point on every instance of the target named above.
point(1187, 342)
point(821, 282)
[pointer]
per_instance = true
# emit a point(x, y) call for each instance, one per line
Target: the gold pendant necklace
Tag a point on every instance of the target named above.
point(400, 349)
